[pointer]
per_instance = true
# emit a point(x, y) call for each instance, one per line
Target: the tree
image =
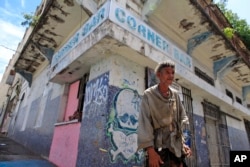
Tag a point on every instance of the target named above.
point(240, 26)
point(30, 19)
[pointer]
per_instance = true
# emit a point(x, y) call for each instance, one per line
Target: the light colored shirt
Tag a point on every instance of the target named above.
point(160, 120)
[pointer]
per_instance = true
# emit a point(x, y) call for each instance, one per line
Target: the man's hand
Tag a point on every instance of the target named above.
point(188, 151)
point(154, 159)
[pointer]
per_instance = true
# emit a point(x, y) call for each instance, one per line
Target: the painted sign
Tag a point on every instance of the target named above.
point(98, 18)
point(125, 19)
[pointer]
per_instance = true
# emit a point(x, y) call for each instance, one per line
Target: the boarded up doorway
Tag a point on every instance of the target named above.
point(217, 135)
point(212, 141)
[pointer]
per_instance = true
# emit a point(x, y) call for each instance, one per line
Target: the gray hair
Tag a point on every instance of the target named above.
point(167, 63)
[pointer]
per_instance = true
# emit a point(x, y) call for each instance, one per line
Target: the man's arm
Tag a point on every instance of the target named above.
point(145, 129)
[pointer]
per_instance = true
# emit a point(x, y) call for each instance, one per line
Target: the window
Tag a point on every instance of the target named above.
point(248, 105)
point(229, 94)
point(75, 99)
point(238, 100)
point(203, 76)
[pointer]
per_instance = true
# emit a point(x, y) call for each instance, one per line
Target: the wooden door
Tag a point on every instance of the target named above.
point(212, 142)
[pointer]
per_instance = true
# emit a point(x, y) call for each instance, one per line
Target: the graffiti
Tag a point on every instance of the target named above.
point(97, 91)
point(127, 109)
point(124, 146)
point(96, 95)
point(126, 83)
point(123, 125)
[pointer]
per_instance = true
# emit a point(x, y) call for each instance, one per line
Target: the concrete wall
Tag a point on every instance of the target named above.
point(33, 122)
point(236, 131)
point(237, 134)
point(64, 146)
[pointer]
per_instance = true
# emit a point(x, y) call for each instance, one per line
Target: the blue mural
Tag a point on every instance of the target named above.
point(201, 142)
point(96, 95)
point(122, 126)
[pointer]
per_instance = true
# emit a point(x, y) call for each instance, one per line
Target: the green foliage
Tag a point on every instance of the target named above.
point(30, 20)
point(240, 26)
point(229, 32)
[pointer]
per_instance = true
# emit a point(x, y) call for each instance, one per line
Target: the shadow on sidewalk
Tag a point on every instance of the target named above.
point(13, 154)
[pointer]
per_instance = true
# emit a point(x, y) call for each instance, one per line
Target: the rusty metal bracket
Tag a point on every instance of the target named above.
point(220, 67)
point(26, 75)
point(46, 52)
point(197, 40)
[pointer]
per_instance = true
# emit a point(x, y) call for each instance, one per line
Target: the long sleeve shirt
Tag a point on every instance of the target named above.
point(159, 118)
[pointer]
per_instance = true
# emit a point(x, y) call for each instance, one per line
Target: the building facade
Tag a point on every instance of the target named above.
point(83, 67)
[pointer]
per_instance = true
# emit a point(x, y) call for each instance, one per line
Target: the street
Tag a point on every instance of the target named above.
point(13, 154)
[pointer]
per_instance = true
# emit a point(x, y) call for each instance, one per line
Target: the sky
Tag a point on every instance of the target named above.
point(240, 7)
point(11, 30)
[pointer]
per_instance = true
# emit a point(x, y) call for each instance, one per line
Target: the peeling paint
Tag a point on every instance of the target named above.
point(57, 18)
point(47, 39)
point(186, 25)
point(216, 57)
point(56, 6)
point(63, 70)
point(216, 46)
point(51, 33)
point(69, 2)
point(31, 69)
point(36, 64)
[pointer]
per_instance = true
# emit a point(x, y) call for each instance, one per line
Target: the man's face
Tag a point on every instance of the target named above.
point(166, 75)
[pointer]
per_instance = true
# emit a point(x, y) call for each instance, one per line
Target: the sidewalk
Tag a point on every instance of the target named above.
point(13, 154)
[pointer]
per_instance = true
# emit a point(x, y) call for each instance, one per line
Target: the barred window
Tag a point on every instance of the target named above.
point(203, 76)
point(229, 94)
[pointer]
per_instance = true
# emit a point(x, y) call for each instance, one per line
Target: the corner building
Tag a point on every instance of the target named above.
point(83, 67)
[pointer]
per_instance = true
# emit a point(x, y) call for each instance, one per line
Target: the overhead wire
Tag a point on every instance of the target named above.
point(8, 48)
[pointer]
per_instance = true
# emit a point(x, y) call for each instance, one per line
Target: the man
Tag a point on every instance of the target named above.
point(161, 119)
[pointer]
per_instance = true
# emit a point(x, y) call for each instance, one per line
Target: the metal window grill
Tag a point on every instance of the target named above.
point(203, 76)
